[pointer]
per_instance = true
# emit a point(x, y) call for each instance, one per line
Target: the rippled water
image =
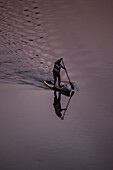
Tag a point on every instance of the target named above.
point(33, 35)
point(32, 38)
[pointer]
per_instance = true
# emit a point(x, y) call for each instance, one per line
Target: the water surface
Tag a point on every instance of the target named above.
point(33, 35)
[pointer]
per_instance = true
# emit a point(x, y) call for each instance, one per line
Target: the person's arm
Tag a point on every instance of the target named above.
point(63, 67)
point(63, 109)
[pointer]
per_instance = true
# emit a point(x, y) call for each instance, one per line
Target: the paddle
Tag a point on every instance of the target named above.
point(68, 75)
point(68, 104)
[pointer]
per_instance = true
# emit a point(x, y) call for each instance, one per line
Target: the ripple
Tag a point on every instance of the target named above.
point(40, 31)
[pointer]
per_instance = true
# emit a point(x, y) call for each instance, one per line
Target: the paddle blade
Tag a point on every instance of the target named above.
point(72, 86)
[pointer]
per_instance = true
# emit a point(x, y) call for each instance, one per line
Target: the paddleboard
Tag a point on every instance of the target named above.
point(63, 89)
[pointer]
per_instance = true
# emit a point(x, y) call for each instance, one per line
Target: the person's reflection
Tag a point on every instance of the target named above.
point(57, 105)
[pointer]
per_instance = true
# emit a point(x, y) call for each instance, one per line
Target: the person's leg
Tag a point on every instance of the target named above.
point(59, 80)
point(54, 75)
point(59, 96)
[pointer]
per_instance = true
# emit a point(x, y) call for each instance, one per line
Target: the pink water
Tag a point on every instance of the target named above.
point(33, 34)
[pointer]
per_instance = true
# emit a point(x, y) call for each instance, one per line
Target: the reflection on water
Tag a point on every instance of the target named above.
point(57, 105)
point(60, 112)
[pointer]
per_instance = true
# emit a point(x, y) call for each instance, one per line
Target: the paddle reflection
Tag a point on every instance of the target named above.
point(60, 112)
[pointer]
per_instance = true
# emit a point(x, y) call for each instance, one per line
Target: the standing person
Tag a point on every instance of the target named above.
point(56, 71)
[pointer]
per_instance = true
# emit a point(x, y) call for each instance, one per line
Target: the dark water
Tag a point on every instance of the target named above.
point(33, 35)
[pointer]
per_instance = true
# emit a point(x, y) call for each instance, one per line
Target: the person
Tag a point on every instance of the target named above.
point(56, 71)
point(57, 105)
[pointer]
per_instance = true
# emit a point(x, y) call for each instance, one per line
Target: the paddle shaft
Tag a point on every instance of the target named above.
point(68, 75)
point(68, 104)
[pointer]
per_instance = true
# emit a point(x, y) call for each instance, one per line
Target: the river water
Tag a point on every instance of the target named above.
point(33, 35)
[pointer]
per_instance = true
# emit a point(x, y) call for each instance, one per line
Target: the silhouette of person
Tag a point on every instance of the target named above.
point(57, 104)
point(56, 71)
